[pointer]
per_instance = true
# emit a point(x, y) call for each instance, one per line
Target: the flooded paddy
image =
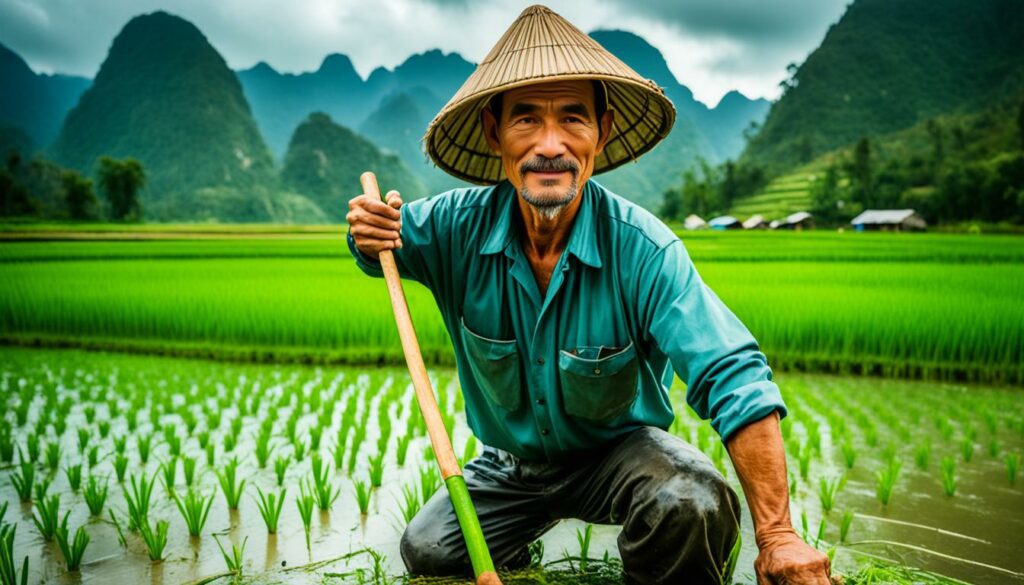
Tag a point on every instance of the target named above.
point(941, 457)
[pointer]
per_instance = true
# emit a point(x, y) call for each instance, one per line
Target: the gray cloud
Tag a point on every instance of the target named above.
point(712, 46)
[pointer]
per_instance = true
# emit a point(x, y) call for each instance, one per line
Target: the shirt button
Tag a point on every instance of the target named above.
point(540, 360)
point(597, 370)
point(544, 431)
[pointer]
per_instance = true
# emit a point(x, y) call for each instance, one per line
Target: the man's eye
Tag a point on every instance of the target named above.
point(524, 119)
point(574, 120)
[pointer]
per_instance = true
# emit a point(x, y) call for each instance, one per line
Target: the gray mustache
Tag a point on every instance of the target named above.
point(549, 165)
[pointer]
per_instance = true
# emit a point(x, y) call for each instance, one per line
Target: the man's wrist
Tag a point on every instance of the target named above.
point(767, 534)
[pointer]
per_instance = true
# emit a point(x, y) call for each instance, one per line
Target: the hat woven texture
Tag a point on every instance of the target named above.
point(541, 46)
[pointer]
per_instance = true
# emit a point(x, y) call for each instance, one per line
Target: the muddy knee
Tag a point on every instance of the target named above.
point(429, 547)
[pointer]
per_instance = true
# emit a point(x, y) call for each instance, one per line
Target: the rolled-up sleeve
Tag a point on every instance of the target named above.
point(425, 229)
point(727, 376)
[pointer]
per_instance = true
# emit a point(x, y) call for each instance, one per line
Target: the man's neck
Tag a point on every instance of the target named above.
point(546, 237)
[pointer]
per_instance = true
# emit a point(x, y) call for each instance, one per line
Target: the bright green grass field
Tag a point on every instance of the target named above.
point(922, 305)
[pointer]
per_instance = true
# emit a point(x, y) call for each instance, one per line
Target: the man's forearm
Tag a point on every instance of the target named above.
point(759, 457)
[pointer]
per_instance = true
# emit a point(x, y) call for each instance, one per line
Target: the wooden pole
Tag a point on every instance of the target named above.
point(479, 555)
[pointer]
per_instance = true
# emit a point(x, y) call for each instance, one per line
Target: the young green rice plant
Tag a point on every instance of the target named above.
point(51, 455)
point(230, 442)
point(304, 501)
point(923, 455)
point(410, 503)
point(211, 454)
point(994, 446)
point(804, 459)
point(849, 453)
point(174, 445)
point(143, 443)
point(73, 550)
point(24, 479)
point(885, 480)
point(194, 509)
point(230, 485)
point(403, 448)
point(32, 447)
point(377, 470)
point(844, 525)
point(263, 449)
point(949, 476)
point(235, 560)
point(104, 428)
point(270, 505)
point(324, 490)
point(827, 489)
point(281, 468)
point(137, 500)
point(74, 475)
point(92, 455)
point(298, 448)
point(188, 467)
point(315, 434)
point(120, 443)
point(49, 516)
point(95, 495)
point(6, 445)
point(83, 438)
point(429, 481)
point(203, 437)
point(1012, 461)
point(155, 538)
point(583, 538)
point(120, 466)
point(363, 493)
point(967, 448)
point(9, 574)
point(169, 474)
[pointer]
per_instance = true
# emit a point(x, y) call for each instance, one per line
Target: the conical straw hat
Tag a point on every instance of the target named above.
point(541, 46)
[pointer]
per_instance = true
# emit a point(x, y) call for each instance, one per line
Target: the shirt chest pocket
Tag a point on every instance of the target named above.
point(495, 367)
point(598, 384)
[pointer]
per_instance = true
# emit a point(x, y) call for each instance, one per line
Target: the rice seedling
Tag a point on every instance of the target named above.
point(137, 500)
point(849, 453)
point(827, 489)
point(42, 487)
point(169, 474)
point(194, 509)
point(429, 481)
point(92, 456)
point(24, 479)
point(48, 516)
point(804, 459)
point(967, 448)
point(51, 455)
point(994, 446)
point(280, 468)
point(83, 438)
point(844, 525)
point(923, 455)
point(403, 448)
point(143, 443)
point(155, 539)
point(32, 448)
point(120, 443)
point(263, 449)
point(270, 505)
point(949, 476)
point(324, 490)
point(95, 495)
point(229, 484)
point(120, 466)
point(1012, 461)
point(73, 550)
point(886, 480)
point(104, 428)
point(188, 468)
point(363, 493)
point(377, 470)
point(583, 538)
point(304, 502)
point(410, 503)
point(9, 574)
point(211, 454)
point(235, 560)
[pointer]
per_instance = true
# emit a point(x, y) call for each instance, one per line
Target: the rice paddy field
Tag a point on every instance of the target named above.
point(293, 452)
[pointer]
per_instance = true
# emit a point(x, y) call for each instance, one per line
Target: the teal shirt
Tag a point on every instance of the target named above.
point(548, 377)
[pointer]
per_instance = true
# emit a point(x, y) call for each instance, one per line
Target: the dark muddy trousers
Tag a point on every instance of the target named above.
point(679, 517)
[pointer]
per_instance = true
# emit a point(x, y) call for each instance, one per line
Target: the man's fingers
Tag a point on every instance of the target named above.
point(394, 199)
point(380, 208)
point(366, 230)
point(362, 216)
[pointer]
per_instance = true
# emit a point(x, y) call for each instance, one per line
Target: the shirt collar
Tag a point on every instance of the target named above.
point(582, 240)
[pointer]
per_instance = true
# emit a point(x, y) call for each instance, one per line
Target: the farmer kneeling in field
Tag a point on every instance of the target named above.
point(569, 307)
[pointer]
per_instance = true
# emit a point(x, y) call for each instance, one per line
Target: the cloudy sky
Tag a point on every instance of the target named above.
point(712, 46)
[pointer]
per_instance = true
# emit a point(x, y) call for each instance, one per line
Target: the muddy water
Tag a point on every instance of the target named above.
point(975, 536)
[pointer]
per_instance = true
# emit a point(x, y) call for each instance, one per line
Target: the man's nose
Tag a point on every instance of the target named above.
point(550, 143)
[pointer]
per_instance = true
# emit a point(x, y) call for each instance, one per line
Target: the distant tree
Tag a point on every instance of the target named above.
point(121, 181)
point(934, 130)
point(1020, 124)
point(700, 194)
point(671, 205)
point(14, 197)
point(860, 172)
point(78, 195)
point(827, 200)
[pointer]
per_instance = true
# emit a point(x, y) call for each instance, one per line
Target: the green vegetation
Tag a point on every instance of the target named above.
point(194, 509)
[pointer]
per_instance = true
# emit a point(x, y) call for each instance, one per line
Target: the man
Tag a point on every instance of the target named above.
point(569, 308)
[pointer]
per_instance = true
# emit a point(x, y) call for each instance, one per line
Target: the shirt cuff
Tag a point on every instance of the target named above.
point(746, 404)
point(366, 263)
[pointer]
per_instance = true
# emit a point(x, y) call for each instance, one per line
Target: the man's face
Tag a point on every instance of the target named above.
point(548, 137)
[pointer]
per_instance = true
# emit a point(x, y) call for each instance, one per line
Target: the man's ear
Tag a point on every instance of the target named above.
point(490, 126)
point(606, 129)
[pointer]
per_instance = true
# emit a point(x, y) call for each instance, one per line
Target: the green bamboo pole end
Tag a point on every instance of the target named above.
point(479, 556)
